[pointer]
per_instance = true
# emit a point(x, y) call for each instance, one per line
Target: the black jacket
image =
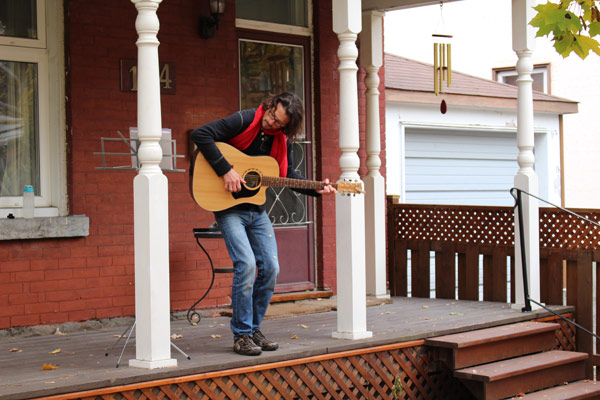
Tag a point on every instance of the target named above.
point(222, 130)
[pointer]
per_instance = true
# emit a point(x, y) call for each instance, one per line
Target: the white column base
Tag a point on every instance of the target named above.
point(153, 364)
point(382, 296)
point(350, 256)
point(352, 335)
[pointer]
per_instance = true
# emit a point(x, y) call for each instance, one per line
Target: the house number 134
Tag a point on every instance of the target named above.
point(129, 76)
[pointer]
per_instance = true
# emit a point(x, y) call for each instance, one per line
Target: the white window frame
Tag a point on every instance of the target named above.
point(47, 51)
point(536, 70)
point(279, 28)
point(40, 42)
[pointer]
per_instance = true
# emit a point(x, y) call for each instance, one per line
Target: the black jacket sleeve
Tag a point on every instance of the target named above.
point(220, 130)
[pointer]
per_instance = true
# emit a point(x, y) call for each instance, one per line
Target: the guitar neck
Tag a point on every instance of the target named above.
point(294, 183)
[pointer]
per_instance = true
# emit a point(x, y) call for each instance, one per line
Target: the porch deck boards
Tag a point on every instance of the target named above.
point(82, 364)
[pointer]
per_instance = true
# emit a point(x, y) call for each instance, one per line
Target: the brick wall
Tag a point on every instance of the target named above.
point(54, 281)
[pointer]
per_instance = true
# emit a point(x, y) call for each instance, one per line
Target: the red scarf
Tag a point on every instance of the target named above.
point(279, 147)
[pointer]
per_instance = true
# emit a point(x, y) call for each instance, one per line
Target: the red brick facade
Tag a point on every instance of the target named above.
point(58, 280)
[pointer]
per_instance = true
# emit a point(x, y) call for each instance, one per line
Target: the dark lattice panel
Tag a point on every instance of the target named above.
point(561, 230)
point(565, 335)
point(462, 224)
point(363, 376)
point(494, 226)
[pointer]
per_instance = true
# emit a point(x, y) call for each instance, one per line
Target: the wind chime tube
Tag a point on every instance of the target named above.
point(435, 69)
point(441, 67)
point(443, 62)
point(449, 80)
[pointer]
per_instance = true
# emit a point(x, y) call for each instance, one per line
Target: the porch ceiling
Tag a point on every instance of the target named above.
point(390, 5)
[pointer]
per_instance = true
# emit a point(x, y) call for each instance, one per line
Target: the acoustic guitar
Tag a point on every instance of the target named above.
point(259, 172)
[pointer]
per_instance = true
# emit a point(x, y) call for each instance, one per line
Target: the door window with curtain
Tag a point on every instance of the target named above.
point(271, 68)
point(27, 133)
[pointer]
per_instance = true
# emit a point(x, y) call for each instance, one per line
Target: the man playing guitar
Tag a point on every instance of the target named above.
point(246, 227)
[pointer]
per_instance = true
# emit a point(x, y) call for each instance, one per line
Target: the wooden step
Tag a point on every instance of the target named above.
point(493, 344)
point(585, 389)
point(506, 378)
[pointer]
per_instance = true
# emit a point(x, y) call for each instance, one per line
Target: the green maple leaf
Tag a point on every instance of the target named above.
point(594, 28)
point(585, 44)
point(564, 44)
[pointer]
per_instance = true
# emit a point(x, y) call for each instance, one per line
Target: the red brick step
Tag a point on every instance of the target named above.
point(524, 374)
point(493, 344)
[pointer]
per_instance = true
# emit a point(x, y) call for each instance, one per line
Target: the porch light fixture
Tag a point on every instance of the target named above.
point(208, 25)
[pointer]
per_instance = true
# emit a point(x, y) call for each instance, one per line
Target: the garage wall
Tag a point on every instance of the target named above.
point(467, 156)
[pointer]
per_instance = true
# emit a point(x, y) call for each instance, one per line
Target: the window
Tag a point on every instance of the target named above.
point(288, 12)
point(283, 16)
point(540, 76)
point(32, 126)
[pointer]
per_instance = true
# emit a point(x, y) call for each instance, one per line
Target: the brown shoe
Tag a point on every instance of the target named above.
point(264, 343)
point(246, 347)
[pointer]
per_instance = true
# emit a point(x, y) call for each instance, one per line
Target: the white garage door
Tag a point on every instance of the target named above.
point(457, 167)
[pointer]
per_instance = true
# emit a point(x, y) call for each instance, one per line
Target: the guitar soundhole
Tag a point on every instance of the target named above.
point(252, 179)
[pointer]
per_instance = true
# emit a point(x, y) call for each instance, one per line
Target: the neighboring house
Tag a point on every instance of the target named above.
point(482, 46)
point(466, 156)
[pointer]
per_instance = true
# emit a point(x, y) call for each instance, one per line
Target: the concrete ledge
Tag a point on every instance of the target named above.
point(44, 227)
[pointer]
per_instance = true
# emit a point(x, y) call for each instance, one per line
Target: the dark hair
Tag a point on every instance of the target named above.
point(293, 108)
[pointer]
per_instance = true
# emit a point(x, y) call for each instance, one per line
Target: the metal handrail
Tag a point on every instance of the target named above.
point(528, 299)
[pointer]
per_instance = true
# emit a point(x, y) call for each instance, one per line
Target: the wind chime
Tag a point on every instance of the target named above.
point(442, 60)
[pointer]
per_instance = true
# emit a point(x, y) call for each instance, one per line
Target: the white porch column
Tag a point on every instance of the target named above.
point(150, 200)
point(526, 178)
point(371, 59)
point(350, 210)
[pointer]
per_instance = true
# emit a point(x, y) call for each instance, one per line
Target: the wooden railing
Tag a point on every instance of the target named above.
point(457, 237)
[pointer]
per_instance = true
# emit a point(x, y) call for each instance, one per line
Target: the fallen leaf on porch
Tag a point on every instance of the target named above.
point(424, 306)
point(426, 318)
point(47, 367)
point(295, 337)
point(118, 336)
point(304, 326)
point(455, 313)
point(215, 315)
point(55, 351)
point(50, 382)
point(215, 336)
point(176, 336)
point(58, 332)
point(194, 323)
point(15, 350)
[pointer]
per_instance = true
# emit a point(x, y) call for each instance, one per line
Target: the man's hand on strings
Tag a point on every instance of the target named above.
point(233, 181)
point(327, 189)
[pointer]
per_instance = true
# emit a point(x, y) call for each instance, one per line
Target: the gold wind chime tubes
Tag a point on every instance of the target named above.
point(442, 62)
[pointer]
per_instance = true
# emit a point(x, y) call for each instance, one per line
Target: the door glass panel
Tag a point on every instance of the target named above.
point(18, 18)
point(287, 12)
point(271, 68)
point(18, 127)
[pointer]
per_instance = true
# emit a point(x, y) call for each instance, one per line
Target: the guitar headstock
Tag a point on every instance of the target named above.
point(348, 187)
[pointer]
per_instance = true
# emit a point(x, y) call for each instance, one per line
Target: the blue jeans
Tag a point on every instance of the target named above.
point(251, 244)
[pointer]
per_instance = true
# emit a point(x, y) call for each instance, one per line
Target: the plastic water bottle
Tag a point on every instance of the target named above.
point(28, 201)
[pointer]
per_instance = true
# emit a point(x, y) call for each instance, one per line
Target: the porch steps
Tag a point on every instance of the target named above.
point(510, 360)
point(584, 389)
point(492, 344)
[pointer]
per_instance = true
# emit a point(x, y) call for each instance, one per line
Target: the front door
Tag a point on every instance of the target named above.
point(271, 67)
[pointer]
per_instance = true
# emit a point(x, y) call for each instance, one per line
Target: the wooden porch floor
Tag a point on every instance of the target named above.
point(82, 364)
